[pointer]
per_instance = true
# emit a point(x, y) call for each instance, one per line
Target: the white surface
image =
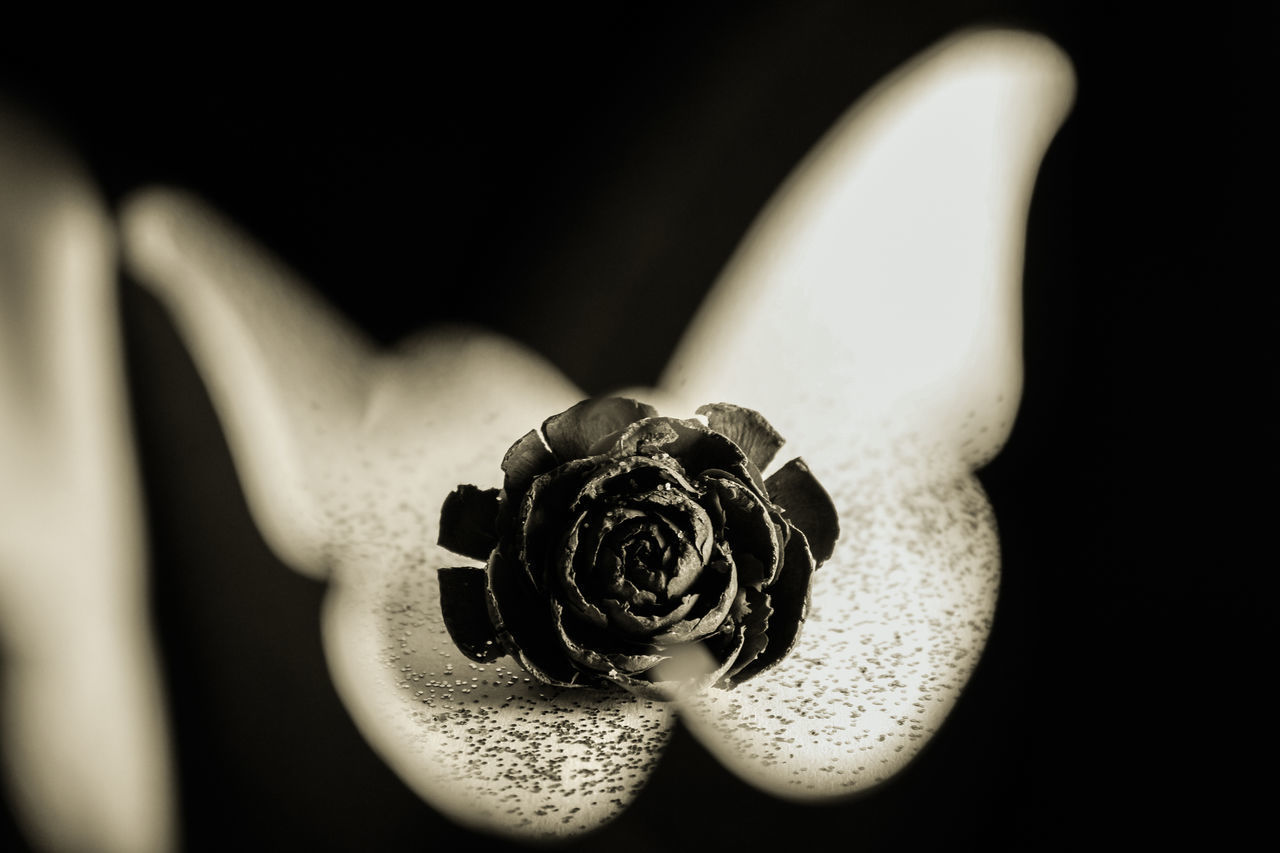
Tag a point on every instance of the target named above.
point(872, 315)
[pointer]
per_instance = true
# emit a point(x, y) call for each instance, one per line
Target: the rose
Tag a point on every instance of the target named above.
point(619, 536)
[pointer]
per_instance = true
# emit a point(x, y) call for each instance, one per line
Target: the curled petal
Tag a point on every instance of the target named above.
point(756, 610)
point(467, 521)
point(746, 428)
point(598, 650)
point(632, 475)
point(545, 513)
point(640, 625)
point(696, 447)
point(523, 624)
point(794, 488)
point(692, 528)
point(749, 529)
point(572, 433)
point(789, 603)
point(689, 564)
point(711, 613)
point(577, 561)
point(526, 459)
point(464, 607)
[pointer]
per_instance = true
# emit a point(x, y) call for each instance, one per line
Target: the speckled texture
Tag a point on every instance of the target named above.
point(884, 346)
point(483, 742)
point(898, 620)
point(346, 457)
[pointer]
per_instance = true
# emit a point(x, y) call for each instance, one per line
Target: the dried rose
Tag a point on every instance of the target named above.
point(619, 535)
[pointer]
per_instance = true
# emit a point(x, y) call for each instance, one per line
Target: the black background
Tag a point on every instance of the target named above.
point(577, 179)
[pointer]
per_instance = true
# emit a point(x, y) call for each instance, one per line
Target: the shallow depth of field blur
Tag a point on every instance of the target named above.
point(579, 194)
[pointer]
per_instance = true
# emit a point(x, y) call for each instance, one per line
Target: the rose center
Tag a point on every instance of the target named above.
point(646, 559)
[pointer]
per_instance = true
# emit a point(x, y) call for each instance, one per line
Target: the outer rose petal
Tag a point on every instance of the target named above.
point(467, 522)
point(572, 433)
point(524, 460)
point(695, 446)
point(789, 605)
point(464, 605)
point(346, 455)
point(746, 428)
point(794, 488)
point(750, 530)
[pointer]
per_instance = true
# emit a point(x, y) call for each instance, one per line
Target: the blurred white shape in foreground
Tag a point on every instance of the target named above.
point(84, 731)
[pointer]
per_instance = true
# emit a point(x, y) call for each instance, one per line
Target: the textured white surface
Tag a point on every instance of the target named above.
point(871, 315)
point(899, 618)
point(346, 457)
point(885, 280)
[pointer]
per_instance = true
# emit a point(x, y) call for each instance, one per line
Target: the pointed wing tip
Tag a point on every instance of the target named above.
point(147, 221)
point(1030, 55)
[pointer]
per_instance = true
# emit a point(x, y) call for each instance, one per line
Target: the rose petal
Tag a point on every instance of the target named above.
point(545, 514)
point(631, 475)
point(523, 623)
point(467, 521)
point(577, 560)
point(696, 447)
point(746, 428)
point(789, 603)
point(748, 529)
point(755, 622)
point(571, 434)
point(525, 459)
point(599, 650)
point(716, 596)
point(465, 608)
point(691, 525)
point(641, 625)
point(794, 488)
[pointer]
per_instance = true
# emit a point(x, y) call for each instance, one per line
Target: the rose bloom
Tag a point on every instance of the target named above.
point(619, 536)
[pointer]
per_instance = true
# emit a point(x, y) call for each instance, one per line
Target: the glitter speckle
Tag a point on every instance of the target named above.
point(899, 616)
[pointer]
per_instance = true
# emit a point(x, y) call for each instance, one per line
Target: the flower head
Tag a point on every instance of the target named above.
point(619, 537)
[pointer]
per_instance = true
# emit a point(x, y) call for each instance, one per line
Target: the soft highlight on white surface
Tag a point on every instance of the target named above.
point(874, 313)
point(871, 315)
point(346, 456)
point(84, 736)
point(884, 278)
